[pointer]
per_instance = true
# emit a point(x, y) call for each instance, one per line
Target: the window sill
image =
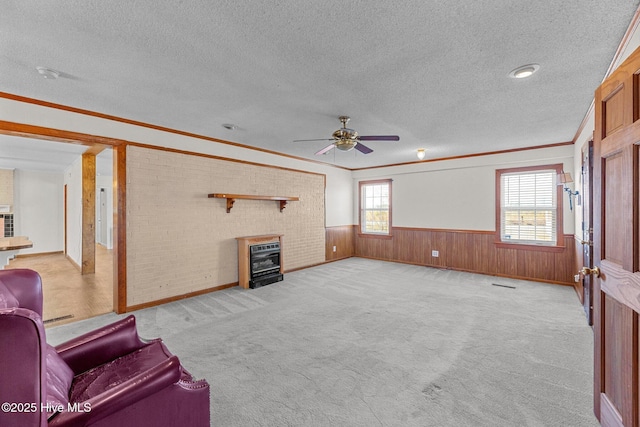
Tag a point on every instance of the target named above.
point(374, 236)
point(526, 247)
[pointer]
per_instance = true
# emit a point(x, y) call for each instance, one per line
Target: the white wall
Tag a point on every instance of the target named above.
point(338, 197)
point(73, 180)
point(632, 43)
point(38, 210)
point(457, 194)
point(581, 144)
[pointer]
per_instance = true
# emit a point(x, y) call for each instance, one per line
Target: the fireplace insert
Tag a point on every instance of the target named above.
point(264, 264)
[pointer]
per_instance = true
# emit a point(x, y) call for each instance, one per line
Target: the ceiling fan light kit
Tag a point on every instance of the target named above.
point(346, 144)
point(345, 139)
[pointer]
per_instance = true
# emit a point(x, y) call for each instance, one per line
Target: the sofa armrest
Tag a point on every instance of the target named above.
point(23, 366)
point(101, 345)
point(121, 396)
point(26, 286)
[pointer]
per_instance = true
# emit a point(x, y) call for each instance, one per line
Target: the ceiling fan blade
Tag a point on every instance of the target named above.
point(363, 148)
point(326, 149)
point(307, 140)
point(379, 138)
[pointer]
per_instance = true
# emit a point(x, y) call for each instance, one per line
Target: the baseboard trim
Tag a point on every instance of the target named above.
point(205, 291)
point(316, 264)
point(149, 304)
point(441, 267)
point(338, 259)
point(38, 254)
point(302, 268)
point(75, 264)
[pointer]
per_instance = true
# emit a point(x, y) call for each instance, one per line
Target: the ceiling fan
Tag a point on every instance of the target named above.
point(346, 139)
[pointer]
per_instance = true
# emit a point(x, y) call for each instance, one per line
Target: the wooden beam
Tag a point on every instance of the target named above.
point(88, 213)
point(119, 228)
point(96, 149)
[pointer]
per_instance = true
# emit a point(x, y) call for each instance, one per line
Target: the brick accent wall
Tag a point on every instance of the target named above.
point(180, 241)
point(6, 187)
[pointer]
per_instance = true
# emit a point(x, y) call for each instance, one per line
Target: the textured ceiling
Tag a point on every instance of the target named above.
point(47, 156)
point(432, 72)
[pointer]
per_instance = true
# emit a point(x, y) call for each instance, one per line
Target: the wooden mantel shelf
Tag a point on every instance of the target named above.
point(231, 199)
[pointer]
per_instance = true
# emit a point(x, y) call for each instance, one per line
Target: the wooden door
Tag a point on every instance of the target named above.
point(587, 230)
point(617, 289)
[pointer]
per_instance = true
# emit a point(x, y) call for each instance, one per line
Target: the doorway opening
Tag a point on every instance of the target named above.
point(57, 230)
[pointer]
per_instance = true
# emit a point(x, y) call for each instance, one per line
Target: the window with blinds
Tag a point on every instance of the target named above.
point(375, 207)
point(529, 207)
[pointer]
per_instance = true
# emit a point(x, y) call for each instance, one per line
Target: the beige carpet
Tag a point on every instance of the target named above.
point(369, 343)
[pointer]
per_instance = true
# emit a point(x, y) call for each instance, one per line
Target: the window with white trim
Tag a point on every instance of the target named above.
point(375, 207)
point(528, 211)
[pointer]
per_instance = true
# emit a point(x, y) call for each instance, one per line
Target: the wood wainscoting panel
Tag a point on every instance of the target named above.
point(412, 249)
point(434, 240)
point(538, 264)
point(460, 250)
point(342, 238)
point(507, 262)
point(375, 247)
point(486, 255)
point(470, 250)
point(564, 263)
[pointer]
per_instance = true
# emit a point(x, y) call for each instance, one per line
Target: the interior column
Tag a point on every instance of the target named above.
point(88, 213)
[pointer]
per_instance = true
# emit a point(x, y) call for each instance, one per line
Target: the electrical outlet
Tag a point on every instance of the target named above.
point(334, 249)
point(435, 254)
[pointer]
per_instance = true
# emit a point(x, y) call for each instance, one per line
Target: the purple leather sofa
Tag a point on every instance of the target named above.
point(107, 377)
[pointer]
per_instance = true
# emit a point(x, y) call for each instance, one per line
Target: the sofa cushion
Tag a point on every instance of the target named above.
point(7, 299)
point(59, 379)
point(101, 378)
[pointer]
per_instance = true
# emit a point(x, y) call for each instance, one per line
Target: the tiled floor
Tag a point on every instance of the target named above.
point(69, 293)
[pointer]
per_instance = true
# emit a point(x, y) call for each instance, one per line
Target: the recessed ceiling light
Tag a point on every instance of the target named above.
point(48, 73)
point(524, 71)
point(229, 126)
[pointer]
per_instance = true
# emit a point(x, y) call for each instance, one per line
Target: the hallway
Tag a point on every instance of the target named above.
point(68, 295)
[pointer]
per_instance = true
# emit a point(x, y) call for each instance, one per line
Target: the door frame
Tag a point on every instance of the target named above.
point(586, 241)
point(96, 144)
